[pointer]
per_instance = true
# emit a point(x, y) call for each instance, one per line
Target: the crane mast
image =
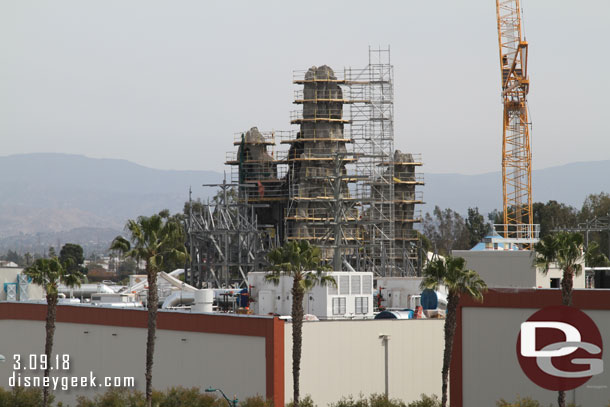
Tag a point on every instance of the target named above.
point(516, 152)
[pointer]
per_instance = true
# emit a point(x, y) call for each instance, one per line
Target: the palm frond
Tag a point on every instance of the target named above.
point(120, 244)
point(451, 273)
point(300, 260)
point(563, 249)
point(49, 273)
point(325, 279)
point(158, 239)
point(273, 277)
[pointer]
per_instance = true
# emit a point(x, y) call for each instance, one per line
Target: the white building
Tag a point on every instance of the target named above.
point(514, 268)
point(16, 286)
point(351, 297)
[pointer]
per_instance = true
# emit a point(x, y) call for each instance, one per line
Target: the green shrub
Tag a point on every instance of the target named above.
point(350, 401)
point(305, 402)
point(257, 401)
point(114, 397)
point(181, 397)
point(22, 397)
point(426, 401)
point(374, 400)
point(525, 402)
point(378, 400)
point(172, 397)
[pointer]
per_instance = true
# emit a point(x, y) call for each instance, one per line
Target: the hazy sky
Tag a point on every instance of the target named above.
point(167, 83)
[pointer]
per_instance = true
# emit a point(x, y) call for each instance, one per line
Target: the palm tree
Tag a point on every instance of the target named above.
point(157, 240)
point(302, 262)
point(565, 250)
point(49, 273)
point(594, 257)
point(450, 272)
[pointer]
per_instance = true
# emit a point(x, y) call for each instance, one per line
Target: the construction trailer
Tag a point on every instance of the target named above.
point(351, 297)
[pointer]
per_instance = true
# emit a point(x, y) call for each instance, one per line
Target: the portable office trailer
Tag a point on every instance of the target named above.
point(350, 298)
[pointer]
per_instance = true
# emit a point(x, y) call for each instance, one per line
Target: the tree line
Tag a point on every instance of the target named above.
point(445, 230)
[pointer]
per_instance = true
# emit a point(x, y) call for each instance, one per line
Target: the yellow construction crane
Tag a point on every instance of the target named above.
point(516, 152)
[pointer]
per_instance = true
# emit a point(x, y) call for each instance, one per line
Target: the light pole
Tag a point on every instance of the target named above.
point(386, 339)
point(232, 403)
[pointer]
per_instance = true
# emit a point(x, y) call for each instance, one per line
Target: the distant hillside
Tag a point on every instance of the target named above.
point(47, 193)
point(92, 239)
point(54, 198)
point(569, 184)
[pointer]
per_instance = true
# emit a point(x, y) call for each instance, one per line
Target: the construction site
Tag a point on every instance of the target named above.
point(334, 180)
point(479, 325)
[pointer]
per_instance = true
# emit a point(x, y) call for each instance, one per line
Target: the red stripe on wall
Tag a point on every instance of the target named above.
point(275, 362)
point(272, 329)
point(455, 369)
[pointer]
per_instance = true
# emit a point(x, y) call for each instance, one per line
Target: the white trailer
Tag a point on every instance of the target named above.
point(351, 298)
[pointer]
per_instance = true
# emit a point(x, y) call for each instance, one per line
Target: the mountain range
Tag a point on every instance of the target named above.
point(569, 184)
point(47, 199)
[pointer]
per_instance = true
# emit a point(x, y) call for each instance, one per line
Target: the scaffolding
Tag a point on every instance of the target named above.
point(372, 129)
point(225, 239)
point(334, 180)
point(258, 167)
point(358, 107)
point(320, 206)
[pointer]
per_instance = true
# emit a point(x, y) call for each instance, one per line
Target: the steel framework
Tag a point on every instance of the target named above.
point(337, 182)
point(372, 128)
point(598, 224)
point(226, 241)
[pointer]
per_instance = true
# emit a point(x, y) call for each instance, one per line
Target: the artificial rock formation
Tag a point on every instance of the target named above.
point(318, 153)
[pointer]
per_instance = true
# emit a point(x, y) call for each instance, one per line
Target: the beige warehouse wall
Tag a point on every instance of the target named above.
point(233, 363)
point(512, 268)
point(491, 370)
point(544, 280)
point(347, 357)
point(502, 268)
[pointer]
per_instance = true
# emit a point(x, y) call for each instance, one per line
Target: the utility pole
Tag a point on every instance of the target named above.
point(190, 234)
point(385, 340)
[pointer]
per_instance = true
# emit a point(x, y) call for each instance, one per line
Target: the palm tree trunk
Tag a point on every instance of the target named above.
point(152, 304)
point(450, 322)
point(567, 284)
point(297, 336)
point(48, 346)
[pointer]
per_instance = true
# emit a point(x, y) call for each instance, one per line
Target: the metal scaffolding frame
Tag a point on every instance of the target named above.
point(597, 224)
point(372, 130)
point(335, 181)
point(225, 240)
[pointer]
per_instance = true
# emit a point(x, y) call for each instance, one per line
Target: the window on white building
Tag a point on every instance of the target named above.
point(362, 305)
point(339, 306)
